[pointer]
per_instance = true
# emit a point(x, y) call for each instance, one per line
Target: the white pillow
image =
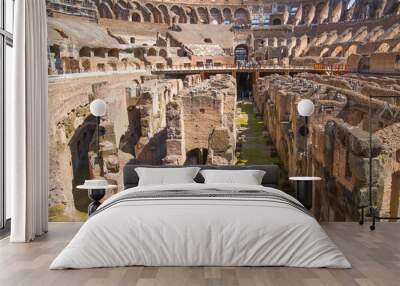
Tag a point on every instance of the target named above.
point(166, 176)
point(247, 177)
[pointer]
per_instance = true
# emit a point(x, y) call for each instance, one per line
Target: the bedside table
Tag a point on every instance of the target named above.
point(96, 191)
point(304, 189)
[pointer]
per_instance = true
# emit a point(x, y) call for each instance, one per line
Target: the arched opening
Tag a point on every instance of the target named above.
point(324, 52)
point(121, 13)
point(208, 41)
point(244, 82)
point(113, 66)
point(55, 49)
point(351, 50)
point(383, 48)
point(100, 52)
point(101, 67)
point(227, 15)
point(125, 63)
point(163, 53)
point(85, 52)
point(320, 13)
point(86, 65)
point(136, 17)
point(105, 11)
point(363, 65)
point(396, 48)
point(241, 53)
point(216, 15)
point(337, 52)
point(113, 53)
point(79, 146)
point(156, 13)
point(203, 15)
point(242, 16)
point(277, 22)
point(180, 13)
point(165, 13)
point(138, 53)
point(152, 52)
point(197, 156)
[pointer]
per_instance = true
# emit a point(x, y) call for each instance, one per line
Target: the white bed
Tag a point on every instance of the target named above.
point(200, 231)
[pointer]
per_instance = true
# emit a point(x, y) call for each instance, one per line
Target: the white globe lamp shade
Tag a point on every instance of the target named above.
point(98, 107)
point(305, 107)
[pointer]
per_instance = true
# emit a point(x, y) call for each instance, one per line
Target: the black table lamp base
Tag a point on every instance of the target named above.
point(95, 196)
point(304, 193)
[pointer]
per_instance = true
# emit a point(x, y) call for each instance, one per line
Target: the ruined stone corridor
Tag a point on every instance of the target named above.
point(254, 146)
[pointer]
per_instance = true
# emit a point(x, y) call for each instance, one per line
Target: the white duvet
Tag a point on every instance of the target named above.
point(202, 232)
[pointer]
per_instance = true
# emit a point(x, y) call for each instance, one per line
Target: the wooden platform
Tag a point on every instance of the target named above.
point(375, 257)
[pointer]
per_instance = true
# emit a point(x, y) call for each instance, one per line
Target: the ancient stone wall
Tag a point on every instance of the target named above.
point(338, 141)
point(201, 123)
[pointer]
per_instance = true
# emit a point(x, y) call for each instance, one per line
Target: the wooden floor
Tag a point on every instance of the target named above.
point(375, 257)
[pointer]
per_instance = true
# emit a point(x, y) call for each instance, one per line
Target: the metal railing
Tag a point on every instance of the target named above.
point(254, 67)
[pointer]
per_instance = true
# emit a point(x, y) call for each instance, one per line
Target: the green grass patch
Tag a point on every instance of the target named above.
point(255, 145)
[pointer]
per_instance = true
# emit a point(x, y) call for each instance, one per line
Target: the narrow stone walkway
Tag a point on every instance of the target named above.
point(255, 147)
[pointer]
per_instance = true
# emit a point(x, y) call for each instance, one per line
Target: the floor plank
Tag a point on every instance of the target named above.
point(375, 257)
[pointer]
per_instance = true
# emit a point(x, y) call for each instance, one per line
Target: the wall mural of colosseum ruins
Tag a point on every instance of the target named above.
point(218, 82)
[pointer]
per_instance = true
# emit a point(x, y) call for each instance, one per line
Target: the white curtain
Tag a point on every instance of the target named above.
point(26, 124)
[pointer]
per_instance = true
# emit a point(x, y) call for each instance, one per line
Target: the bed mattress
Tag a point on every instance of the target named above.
point(201, 225)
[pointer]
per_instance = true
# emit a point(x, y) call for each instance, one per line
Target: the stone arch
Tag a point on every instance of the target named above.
point(113, 53)
point(227, 13)
point(324, 52)
point(163, 53)
point(363, 64)
point(165, 13)
point(197, 156)
point(242, 16)
point(146, 14)
point(180, 13)
point(79, 146)
point(241, 53)
point(394, 9)
point(136, 17)
point(124, 4)
point(299, 15)
point(157, 16)
point(124, 62)
point(85, 52)
point(308, 14)
point(105, 11)
point(86, 65)
point(337, 12)
point(383, 48)
point(351, 51)
point(113, 65)
point(216, 15)
point(100, 52)
point(277, 22)
point(192, 14)
point(152, 52)
point(121, 10)
point(337, 52)
point(396, 48)
point(321, 13)
point(203, 15)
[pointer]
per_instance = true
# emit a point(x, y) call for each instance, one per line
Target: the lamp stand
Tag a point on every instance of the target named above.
point(98, 137)
point(99, 160)
point(306, 142)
